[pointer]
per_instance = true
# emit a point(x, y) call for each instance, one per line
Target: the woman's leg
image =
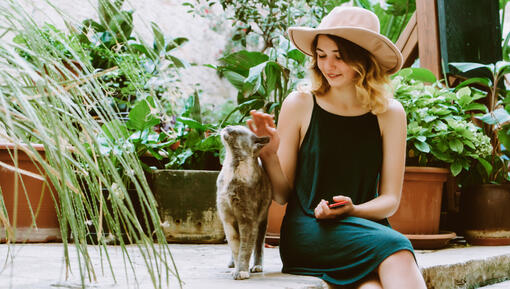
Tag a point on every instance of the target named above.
point(371, 282)
point(400, 271)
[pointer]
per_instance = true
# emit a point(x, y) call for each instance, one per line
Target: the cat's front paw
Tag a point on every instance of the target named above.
point(256, 268)
point(240, 275)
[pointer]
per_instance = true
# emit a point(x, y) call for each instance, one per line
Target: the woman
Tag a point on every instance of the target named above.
point(343, 142)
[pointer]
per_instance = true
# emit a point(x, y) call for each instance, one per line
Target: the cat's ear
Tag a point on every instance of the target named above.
point(261, 141)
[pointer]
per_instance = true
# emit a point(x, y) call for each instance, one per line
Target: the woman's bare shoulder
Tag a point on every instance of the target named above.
point(298, 101)
point(394, 111)
point(393, 119)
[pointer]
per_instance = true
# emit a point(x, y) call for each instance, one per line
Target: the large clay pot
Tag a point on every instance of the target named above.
point(420, 204)
point(39, 195)
point(485, 211)
point(187, 205)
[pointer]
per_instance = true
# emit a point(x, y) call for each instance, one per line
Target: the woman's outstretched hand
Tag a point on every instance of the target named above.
point(262, 124)
point(323, 211)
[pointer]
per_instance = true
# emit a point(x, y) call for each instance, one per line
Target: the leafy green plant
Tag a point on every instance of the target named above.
point(111, 46)
point(439, 130)
point(267, 20)
point(263, 80)
point(194, 144)
point(495, 118)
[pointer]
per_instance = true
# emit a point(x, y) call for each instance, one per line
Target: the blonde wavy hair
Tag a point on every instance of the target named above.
point(371, 80)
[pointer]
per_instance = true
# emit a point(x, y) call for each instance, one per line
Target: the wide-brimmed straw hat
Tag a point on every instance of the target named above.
point(357, 25)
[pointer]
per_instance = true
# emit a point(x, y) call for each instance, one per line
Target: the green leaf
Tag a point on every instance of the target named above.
point(139, 48)
point(273, 72)
point(254, 80)
point(297, 55)
point(482, 80)
point(176, 42)
point(429, 118)
point(140, 117)
point(504, 138)
point(236, 79)
point(469, 144)
point(486, 165)
point(212, 143)
point(442, 146)
point(421, 74)
point(159, 37)
point(502, 67)
point(468, 66)
point(476, 106)
point(464, 96)
point(181, 63)
point(422, 146)
point(456, 168)
point(499, 116)
point(456, 145)
point(191, 123)
point(421, 138)
point(122, 25)
point(241, 62)
point(255, 72)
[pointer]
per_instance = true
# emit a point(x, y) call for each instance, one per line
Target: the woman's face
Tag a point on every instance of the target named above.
point(337, 72)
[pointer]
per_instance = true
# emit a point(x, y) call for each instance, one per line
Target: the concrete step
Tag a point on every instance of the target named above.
point(465, 266)
point(204, 266)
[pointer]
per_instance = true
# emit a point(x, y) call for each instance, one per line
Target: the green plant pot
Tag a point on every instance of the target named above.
point(187, 205)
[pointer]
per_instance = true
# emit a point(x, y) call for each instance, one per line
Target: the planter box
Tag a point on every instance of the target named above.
point(39, 195)
point(187, 205)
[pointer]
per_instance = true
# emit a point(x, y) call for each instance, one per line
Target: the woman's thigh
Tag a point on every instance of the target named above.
point(369, 282)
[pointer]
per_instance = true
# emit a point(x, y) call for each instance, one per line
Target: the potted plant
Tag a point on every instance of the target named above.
point(27, 196)
point(441, 139)
point(486, 190)
point(181, 157)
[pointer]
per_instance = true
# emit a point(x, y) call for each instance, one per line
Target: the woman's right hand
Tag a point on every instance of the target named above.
point(264, 126)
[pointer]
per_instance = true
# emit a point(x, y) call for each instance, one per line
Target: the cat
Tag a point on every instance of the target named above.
point(243, 197)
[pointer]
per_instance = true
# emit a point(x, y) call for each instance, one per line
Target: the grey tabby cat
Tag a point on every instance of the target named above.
point(243, 198)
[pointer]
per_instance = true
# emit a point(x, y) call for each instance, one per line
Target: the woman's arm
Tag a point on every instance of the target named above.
point(393, 129)
point(279, 157)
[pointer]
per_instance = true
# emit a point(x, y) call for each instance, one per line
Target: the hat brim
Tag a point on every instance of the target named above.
point(382, 48)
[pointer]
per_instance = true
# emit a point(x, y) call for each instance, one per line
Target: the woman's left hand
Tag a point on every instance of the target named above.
point(322, 211)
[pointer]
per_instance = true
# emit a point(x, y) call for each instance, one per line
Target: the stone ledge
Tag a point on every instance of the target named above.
point(466, 267)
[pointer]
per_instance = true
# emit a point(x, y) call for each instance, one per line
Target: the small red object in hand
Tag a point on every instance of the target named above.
point(337, 204)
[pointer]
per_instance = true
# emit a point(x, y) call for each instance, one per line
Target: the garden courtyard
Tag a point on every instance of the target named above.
point(110, 147)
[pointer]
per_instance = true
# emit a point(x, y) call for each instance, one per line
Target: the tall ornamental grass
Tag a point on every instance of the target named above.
point(50, 100)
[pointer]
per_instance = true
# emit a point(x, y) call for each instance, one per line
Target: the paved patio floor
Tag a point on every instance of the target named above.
point(37, 266)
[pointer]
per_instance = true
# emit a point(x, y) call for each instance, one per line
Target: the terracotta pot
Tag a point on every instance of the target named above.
point(486, 214)
point(420, 204)
point(274, 223)
point(39, 195)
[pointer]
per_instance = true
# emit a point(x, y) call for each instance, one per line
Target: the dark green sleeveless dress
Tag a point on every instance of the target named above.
point(340, 155)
